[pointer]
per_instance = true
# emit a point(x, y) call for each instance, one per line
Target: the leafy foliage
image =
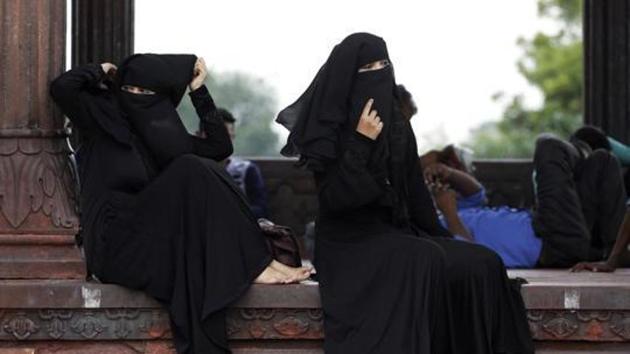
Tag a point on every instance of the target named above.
point(252, 102)
point(553, 64)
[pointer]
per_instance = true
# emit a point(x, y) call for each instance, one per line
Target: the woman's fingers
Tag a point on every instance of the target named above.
point(379, 127)
point(378, 124)
point(370, 123)
point(107, 67)
point(199, 74)
point(373, 114)
point(367, 108)
point(202, 65)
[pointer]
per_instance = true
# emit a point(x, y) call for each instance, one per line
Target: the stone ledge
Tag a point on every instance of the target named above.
point(562, 307)
point(546, 290)
point(72, 294)
point(562, 290)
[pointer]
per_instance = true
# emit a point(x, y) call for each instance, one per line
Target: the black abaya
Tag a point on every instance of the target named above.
point(392, 279)
point(368, 266)
point(169, 223)
point(383, 288)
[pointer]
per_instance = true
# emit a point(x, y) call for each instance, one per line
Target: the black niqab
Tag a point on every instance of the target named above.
point(154, 116)
point(315, 118)
point(327, 114)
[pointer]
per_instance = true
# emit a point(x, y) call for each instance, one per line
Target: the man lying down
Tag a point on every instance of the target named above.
point(579, 220)
point(580, 206)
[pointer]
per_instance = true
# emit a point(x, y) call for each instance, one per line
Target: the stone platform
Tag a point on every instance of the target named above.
point(582, 307)
point(568, 313)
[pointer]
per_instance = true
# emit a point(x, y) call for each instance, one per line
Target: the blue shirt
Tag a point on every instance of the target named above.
point(506, 231)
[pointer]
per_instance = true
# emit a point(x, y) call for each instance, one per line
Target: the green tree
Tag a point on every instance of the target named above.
point(252, 102)
point(553, 64)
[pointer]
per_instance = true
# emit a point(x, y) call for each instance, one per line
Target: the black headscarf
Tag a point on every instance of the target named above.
point(154, 117)
point(316, 118)
point(326, 115)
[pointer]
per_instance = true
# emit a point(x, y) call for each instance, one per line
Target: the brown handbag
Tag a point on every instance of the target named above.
point(282, 243)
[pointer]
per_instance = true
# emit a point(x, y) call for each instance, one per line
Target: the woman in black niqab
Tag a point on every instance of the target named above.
point(158, 213)
point(392, 279)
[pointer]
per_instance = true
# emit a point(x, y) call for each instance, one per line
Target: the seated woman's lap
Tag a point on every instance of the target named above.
point(374, 257)
point(141, 246)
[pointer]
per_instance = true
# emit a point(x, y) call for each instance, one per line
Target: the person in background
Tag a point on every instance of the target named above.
point(461, 200)
point(245, 173)
point(580, 198)
point(597, 139)
point(577, 216)
point(579, 202)
point(619, 256)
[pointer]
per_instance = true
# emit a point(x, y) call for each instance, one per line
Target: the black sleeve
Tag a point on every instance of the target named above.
point(421, 209)
point(348, 184)
point(71, 92)
point(217, 144)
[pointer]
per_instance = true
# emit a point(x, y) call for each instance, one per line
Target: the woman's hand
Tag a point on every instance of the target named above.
point(107, 67)
point(199, 74)
point(603, 267)
point(370, 124)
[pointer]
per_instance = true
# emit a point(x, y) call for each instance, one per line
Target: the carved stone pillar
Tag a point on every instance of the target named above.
point(102, 31)
point(38, 218)
point(607, 66)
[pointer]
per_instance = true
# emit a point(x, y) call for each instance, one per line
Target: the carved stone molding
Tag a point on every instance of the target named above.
point(620, 326)
point(37, 193)
point(20, 326)
point(147, 324)
point(594, 326)
point(82, 325)
point(57, 319)
point(560, 327)
point(275, 324)
point(264, 324)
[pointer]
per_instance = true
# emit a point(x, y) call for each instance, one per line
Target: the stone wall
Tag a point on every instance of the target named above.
point(293, 200)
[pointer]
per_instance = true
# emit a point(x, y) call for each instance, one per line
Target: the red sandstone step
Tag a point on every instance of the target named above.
point(562, 307)
point(546, 290)
point(71, 268)
point(562, 290)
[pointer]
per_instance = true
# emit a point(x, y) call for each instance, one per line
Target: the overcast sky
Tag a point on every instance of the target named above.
point(452, 55)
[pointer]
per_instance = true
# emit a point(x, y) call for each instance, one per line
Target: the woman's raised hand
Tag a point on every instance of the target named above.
point(107, 67)
point(370, 123)
point(199, 74)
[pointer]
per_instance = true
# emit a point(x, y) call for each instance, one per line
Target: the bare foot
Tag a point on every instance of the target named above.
point(272, 276)
point(295, 274)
